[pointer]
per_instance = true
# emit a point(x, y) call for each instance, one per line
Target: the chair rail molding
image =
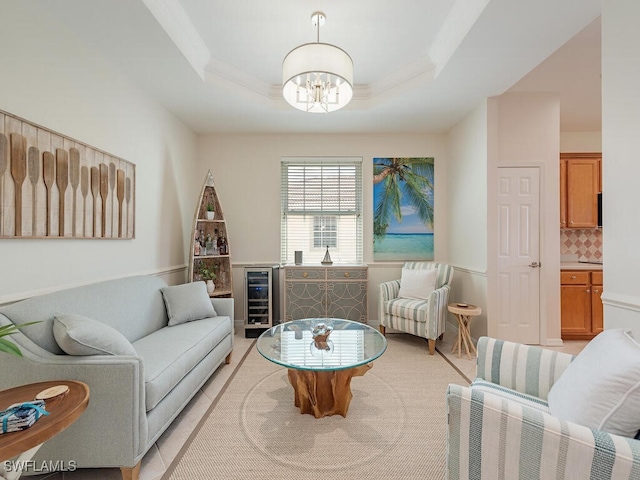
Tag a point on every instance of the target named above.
point(158, 272)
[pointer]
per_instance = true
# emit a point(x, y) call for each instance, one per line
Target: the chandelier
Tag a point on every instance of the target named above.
point(317, 77)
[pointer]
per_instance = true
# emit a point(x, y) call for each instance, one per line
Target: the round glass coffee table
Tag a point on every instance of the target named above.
point(322, 355)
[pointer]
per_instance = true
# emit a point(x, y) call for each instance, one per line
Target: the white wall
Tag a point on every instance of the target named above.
point(48, 78)
point(573, 142)
point(246, 169)
point(524, 129)
point(620, 147)
point(467, 212)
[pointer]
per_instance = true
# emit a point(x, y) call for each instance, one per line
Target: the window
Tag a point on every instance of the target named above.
point(322, 206)
point(325, 232)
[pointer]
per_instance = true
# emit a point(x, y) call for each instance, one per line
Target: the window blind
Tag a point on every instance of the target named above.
point(321, 206)
point(348, 349)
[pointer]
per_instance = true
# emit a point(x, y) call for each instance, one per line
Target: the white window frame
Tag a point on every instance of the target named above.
point(313, 187)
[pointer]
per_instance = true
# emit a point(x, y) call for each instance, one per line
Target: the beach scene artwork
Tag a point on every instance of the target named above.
point(403, 209)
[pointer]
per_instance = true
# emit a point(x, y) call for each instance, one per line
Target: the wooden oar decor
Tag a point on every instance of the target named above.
point(33, 164)
point(74, 179)
point(84, 189)
point(19, 173)
point(48, 173)
point(62, 180)
point(51, 164)
point(95, 191)
point(4, 162)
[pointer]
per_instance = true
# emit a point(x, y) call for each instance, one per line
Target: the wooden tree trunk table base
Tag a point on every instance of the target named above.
point(324, 393)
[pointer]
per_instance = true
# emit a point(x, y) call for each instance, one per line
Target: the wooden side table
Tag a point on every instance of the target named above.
point(464, 314)
point(21, 446)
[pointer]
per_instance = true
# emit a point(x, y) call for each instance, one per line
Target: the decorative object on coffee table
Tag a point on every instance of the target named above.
point(321, 334)
point(322, 383)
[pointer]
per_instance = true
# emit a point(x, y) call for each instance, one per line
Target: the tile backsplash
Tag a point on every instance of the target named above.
point(586, 243)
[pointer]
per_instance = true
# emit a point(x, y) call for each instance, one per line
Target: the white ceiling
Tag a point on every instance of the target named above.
point(419, 65)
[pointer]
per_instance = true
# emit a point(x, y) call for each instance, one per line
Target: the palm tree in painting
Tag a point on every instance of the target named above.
point(411, 178)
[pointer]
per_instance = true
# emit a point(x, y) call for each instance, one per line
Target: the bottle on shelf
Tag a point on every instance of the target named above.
point(196, 245)
point(223, 245)
point(209, 245)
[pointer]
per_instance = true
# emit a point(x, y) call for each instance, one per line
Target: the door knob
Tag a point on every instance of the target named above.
point(535, 264)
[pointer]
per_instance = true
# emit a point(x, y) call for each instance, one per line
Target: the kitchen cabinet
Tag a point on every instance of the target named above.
point(325, 292)
point(580, 180)
point(581, 306)
point(597, 311)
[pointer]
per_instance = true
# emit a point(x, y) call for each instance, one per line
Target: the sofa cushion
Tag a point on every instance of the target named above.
point(170, 353)
point(414, 309)
point(187, 302)
point(80, 335)
point(511, 395)
point(601, 388)
point(417, 283)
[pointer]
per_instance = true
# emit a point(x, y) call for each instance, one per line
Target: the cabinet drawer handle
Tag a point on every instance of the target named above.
point(587, 290)
point(305, 274)
point(573, 277)
point(596, 291)
point(346, 274)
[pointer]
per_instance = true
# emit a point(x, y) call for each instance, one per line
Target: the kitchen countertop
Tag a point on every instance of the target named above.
point(580, 266)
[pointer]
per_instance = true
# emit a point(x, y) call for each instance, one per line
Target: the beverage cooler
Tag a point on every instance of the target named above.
point(261, 295)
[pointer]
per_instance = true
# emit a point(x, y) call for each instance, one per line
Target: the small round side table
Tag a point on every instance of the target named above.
point(464, 314)
point(17, 448)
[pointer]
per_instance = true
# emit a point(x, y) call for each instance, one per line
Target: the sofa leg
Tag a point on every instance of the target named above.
point(131, 473)
point(432, 346)
point(441, 336)
point(382, 329)
point(227, 359)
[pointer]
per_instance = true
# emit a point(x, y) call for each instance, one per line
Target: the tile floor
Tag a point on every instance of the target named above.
point(168, 446)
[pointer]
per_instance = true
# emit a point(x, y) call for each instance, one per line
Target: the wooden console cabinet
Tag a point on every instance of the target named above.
point(581, 305)
point(325, 292)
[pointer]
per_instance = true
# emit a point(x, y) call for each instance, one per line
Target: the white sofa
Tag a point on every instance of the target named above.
point(133, 397)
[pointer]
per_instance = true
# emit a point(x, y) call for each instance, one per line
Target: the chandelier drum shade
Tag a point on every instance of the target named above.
point(317, 77)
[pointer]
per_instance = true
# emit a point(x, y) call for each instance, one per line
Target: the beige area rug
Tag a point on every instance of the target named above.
point(395, 427)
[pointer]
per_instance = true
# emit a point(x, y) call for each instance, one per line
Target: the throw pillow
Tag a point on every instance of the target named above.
point(187, 302)
point(418, 283)
point(79, 335)
point(601, 388)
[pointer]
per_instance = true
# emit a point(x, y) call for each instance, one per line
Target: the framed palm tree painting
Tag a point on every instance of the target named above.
point(403, 209)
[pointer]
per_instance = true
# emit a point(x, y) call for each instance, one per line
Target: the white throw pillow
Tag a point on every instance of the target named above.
point(601, 388)
point(187, 302)
point(417, 283)
point(80, 335)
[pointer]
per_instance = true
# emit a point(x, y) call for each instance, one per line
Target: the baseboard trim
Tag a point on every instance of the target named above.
point(158, 272)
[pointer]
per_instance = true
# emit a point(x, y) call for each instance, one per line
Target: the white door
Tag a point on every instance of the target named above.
point(519, 254)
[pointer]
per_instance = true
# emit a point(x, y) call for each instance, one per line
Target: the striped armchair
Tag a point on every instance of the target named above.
point(424, 318)
point(501, 427)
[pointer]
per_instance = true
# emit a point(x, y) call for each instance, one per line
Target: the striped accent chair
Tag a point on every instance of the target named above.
point(424, 318)
point(501, 428)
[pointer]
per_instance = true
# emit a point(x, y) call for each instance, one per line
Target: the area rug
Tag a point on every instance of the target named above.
point(395, 427)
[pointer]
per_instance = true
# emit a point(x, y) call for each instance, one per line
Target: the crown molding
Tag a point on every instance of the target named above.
point(461, 18)
point(176, 23)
